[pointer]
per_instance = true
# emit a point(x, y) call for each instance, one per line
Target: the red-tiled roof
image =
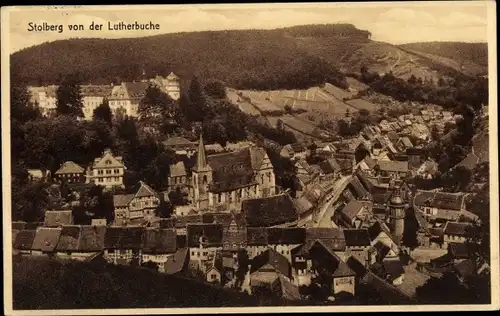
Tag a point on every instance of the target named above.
point(92, 238)
point(159, 240)
point(46, 239)
point(69, 167)
point(288, 235)
point(24, 239)
point(211, 233)
point(393, 166)
point(120, 200)
point(274, 259)
point(69, 239)
point(351, 209)
point(456, 229)
point(58, 218)
point(269, 211)
point(356, 237)
point(257, 236)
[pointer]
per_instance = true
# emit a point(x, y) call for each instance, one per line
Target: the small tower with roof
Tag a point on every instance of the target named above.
point(397, 214)
point(202, 177)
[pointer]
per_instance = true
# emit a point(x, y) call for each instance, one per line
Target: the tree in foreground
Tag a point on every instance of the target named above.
point(69, 98)
point(103, 112)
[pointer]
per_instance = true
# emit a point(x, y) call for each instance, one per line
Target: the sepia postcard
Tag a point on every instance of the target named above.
point(250, 158)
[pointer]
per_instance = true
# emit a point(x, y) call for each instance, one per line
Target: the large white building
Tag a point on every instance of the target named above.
point(123, 98)
point(44, 97)
point(169, 85)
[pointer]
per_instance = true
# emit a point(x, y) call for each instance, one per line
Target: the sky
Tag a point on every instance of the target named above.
point(395, 23)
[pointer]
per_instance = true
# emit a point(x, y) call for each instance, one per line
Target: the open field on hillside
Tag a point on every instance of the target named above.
point(362, 104)
point(243, 105)
point(327, 100)
point(356, 84)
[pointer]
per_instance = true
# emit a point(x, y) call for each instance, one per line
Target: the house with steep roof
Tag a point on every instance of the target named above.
point(403, 143)
point(169, 84)
point(397, 169)
point(379, 232)
point(203, 240)
point(123, 245)
point(257, 241)
point(266, 267)
point(294, 151)
point(317, 257)
point(158, 245)
point(23, 243)
point(330, 169)
point(213, 268)
point(229, 178)
point(378, 252)
point(234, 235)
point(440, 206)
point(45, 241)
point(68, 244)
point(140, 206)
point(180, 145)
point(58, 218)
point(269, 211)
point(70, 172)
point(284, 239)
point(107, 170)
point(178, 262)
point(177, 177)
point(366, 165)
point(455, 232)
point(353, 214)
point(393, 270)
point(357, 243)
point(125, 98)
point(285, 289)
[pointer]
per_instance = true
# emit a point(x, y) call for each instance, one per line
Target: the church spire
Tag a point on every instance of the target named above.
point(201, 161)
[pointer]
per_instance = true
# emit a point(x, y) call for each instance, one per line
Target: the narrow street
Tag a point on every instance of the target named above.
point(326, 212)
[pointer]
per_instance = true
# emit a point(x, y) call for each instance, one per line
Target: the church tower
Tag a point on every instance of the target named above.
point(202, 177)
point(397, 214)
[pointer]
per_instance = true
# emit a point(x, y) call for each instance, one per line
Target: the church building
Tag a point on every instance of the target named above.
point(224, 180)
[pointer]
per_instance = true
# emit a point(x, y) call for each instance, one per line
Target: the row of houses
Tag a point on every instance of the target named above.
point(296, 256)
point(123, 98)
point(107, 171)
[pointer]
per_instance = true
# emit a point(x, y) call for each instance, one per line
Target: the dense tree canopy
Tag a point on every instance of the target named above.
point(103, 112)
point(69, 97)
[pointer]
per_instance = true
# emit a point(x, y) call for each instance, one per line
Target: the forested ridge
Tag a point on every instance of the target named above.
point(460, 51)
point(253, 59)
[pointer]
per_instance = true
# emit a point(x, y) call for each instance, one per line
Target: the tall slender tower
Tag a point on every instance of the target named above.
point(202, 176)
point(397, 214)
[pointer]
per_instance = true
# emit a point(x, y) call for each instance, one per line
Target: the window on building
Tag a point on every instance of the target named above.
point(117, 171)
point(192, 253)
point(99, 172)
point(108, 162)
point(213, 276)
point(108, 171)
